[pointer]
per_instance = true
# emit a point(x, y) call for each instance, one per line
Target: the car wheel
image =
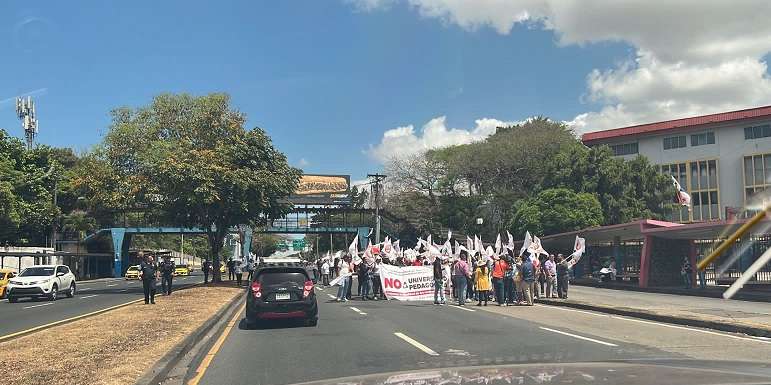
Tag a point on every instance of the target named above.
point(54, 293)
point(12, 299)
point(312, 322)
point(71, 293)
point(251, 323)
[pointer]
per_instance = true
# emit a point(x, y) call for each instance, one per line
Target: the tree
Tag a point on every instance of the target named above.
point(191, 159)
point(555, 211)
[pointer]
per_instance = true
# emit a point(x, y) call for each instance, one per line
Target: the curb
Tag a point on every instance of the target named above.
point(159, 371)
point(754, 296)
point(678, 320)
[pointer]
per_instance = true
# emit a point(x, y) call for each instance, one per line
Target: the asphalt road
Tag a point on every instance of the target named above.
point(91, 296)
point(358, 338)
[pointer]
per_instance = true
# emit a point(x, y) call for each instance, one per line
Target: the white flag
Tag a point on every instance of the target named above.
point(578, 250)
point(457, 249)
point(469, 243)
point(526, 243)
point(510, 244)
point(682, 197)
point(535, 248)
point(498, 244)
point(449, 234)
point(353, 249)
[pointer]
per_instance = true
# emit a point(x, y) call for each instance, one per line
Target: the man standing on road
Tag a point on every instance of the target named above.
point(528, 280)
point(460, 274)
point(148, 272)
point(499, 270)
point(206, 267)
point(550, 268)
point(325, 272)
point(167, 273)
point(563, 277)
point(238, 272)
point(438, 282)
point(231, 269)
point(702, 273)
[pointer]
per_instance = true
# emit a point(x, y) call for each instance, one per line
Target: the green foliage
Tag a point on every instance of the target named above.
point(191, 160)
point(556, 210)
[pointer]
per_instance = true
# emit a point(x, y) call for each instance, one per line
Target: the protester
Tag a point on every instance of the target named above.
point(518, 282)
point(438, 282)
point(206, 267)
point(250, 269)
point(446, 276)
point(460, 274)
point(541, 283)
point(148, 272)
point(702, 273)
point(528, 280)
point(325, 273)
point(482, 282)
point(364, 280)
point(167, 274)
point(550, 268)
point(508, 281)
point(345, 278)
point(563, 277)
point(499, 271)
point(335, 272)
point(377, 289)
point(536, 274)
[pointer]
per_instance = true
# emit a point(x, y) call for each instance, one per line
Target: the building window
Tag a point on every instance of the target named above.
point(757, 175)
point(624, 149)
point(757, 132)
point(680, 172)
point(674, 142)
point(702, 139)
point(700, 179)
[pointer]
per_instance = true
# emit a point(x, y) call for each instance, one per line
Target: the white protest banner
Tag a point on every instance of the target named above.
point(409, 283)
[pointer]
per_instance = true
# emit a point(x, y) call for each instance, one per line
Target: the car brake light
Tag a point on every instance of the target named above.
point(307, 289)
point(256, 289)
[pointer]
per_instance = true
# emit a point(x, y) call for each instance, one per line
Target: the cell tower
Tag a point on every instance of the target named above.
point(25, 110)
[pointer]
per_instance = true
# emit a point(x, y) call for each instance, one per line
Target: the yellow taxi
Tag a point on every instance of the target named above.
point(5, 275)
point(132, 272)
point(181, 270)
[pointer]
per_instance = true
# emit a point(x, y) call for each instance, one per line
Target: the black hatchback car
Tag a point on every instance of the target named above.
point(281, 291)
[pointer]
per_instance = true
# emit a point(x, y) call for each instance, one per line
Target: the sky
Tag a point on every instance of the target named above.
point(341, 86)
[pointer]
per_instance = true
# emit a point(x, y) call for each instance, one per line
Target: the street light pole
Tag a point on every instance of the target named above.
point(377, 179)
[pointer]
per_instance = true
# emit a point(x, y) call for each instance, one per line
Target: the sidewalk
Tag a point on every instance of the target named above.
point(748, 293)
point(753, 318)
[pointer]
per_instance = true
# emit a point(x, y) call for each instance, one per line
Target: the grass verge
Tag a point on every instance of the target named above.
point(116, 347)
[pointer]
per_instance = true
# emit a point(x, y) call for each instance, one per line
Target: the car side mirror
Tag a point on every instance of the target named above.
point(59, 274)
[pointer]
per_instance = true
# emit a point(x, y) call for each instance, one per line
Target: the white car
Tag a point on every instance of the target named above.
point(42, 281)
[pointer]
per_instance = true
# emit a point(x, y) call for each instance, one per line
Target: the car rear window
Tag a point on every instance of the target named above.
point(281, 277)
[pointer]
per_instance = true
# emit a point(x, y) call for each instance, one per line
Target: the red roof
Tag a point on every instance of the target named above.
point(752, 113)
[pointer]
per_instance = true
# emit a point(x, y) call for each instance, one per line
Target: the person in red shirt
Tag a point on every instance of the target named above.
point(499, 270)
point(418, 261)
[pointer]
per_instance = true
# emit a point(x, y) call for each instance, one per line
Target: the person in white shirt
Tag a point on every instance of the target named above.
point(325, 273)
point(346, 270)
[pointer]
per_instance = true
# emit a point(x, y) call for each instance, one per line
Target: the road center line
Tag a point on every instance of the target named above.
point(86, 289)
point(579, 337)
point(331, 296)
point(357, 310)
point(42, 304)
point(462, 308)
point(122, 291)
point(88, 296)
point(421, 347)
point(114, 284)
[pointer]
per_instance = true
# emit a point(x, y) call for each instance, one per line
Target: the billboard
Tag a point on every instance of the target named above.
point(322, 190)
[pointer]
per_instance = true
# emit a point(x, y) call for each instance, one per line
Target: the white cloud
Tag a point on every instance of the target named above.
point(693, 56)
point(303, 162)
point(405, 140)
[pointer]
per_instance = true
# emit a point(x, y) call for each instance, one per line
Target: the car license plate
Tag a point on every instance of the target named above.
point(282, 296)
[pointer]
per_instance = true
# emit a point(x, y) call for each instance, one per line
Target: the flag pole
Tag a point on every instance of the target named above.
point(732, 239)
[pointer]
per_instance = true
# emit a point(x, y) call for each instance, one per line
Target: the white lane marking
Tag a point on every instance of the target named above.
point(42, 304)
point(579, 337)
point(666, 325)
point(122, 291)
point(421, 347)
point(114, 284)
point(332, 296)
point(88, 296)
point(462, 308)
point(693, 330)
point(357, 310)
point(320, 288)
point(86, 289)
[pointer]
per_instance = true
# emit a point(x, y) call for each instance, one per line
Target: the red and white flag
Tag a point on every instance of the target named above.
point(353, 248)
point(526, 243)
point(682, 197)
point(579, 247)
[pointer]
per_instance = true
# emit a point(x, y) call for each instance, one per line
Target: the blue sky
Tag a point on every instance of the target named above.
point(325, 78)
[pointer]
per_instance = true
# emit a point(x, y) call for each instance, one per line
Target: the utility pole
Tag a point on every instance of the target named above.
point(377, 179)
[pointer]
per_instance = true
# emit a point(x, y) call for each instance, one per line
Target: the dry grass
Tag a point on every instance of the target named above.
point(116, 347)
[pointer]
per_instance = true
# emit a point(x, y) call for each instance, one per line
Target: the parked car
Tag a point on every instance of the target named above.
point(281, 291)
point(42, 281)
point(132, 272)
point(181, 270)
point(5, 275)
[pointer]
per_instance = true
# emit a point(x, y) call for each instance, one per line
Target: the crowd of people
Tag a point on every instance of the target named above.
point(507, 280)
